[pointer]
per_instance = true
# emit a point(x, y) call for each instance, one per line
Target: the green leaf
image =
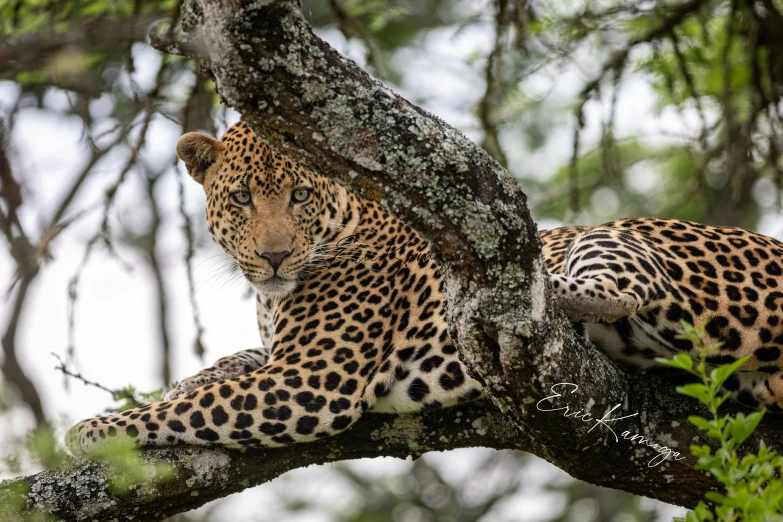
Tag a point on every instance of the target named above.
point(716, 497)
point(701, 451)
point(680, 361)
point(742, 427)
point(696, 390)
point(699, 422)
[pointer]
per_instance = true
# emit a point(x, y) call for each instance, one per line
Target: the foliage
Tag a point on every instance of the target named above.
point(126, 469)
point(753, 487)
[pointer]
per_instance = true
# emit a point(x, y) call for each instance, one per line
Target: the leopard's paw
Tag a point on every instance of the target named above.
point(73, 440)
point(93, 436)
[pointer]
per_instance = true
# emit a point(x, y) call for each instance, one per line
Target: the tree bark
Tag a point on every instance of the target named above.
point(322, 110)
point(82, 490)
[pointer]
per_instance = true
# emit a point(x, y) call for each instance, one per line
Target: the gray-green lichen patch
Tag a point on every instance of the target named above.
point(538, 293)
point(84, 490)
point(207, 466)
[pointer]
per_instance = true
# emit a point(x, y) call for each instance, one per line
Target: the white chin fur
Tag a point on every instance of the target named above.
point(275, 285)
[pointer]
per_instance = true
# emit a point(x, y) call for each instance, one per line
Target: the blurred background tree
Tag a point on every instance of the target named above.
point(600, 109)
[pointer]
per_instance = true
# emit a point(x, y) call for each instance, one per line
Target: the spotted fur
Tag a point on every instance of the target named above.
point(351, 307)
point(631, 282)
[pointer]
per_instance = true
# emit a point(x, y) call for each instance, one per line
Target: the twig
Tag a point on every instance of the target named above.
point(491, 143)
point(573, 166)
point(608, 157)
point(103, 234)
point(675, 16)
point(187, 230)
point(160, 285)
point(350, 27)
point(701, 162)
point(10, 365)
point(27, 268)
point(124, 394)
point(176, 47)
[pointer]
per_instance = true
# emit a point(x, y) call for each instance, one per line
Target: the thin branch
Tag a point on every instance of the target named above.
point(700, 160)
point(177, 47)
point(117, 395)
point(351, 27)
point(573, 165)
point(674, 16)
point(187, 224)
point(102, 236)
point(31, 51)
point(609, 157)
point(27, 266)
point(10, 366)
point(162, 298)
point(491, 143)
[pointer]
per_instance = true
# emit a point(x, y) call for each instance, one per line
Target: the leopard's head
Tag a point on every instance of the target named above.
point(262, 208)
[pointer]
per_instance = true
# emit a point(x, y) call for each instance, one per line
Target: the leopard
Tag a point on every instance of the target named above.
point(351, 308)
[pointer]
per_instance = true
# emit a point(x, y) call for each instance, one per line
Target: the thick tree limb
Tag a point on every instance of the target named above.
point(82, 491)
point(314, 105)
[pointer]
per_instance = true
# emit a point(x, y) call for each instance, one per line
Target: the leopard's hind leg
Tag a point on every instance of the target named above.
point(609, 274)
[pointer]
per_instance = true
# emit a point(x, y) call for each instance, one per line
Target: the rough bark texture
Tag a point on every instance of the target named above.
point(82, 490)
point(321, 109)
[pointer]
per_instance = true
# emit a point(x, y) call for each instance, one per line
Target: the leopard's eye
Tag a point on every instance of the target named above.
point(300, 195)
point(241, 196)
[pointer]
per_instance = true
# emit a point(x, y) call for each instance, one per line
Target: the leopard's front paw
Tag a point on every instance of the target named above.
point(91, 435)
point(73, 440)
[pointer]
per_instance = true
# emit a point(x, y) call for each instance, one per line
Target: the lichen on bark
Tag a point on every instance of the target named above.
point(82, 490)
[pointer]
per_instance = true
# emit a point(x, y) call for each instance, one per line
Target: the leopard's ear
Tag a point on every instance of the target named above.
point(199, 152)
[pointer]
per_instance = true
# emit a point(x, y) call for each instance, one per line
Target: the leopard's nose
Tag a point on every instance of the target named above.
point(275, 258)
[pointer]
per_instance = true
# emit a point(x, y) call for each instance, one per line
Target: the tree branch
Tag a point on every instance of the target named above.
point(322, 110)
point(81, 490)
point(31, 51)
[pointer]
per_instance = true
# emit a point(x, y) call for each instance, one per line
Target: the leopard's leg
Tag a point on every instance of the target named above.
point(757, 389)
point(226, 367)
point(593, 299)
point(265, 311)
point(273, 406)
point(609, 274)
